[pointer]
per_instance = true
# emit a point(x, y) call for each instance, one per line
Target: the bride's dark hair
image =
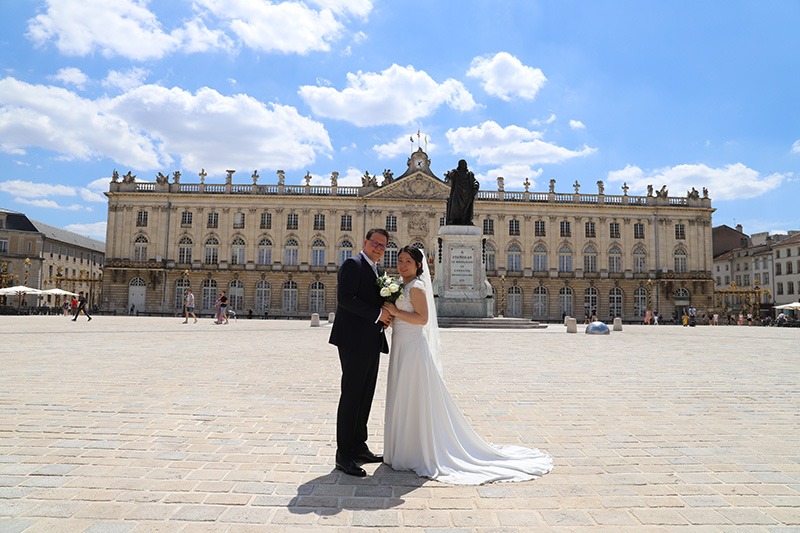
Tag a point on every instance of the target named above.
point(415, 254)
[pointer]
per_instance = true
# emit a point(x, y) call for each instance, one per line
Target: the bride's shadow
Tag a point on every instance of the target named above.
point(331, 493)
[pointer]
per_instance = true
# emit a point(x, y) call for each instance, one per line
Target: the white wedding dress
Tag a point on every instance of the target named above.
point(425, 431)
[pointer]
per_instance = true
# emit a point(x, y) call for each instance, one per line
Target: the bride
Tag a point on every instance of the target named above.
point(424, 429)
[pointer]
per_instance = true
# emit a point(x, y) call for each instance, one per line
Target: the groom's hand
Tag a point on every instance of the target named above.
point(385, 317)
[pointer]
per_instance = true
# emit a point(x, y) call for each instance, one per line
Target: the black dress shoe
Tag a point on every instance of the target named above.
point(368, 457)
point(350, 468)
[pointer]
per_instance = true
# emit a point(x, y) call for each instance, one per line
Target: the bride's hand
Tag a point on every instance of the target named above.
point(391, 308)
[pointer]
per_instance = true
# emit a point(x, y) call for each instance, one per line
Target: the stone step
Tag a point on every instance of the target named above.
point(489, 323)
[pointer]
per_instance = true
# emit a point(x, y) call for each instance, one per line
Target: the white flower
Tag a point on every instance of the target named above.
point(385, 292)
point(394, 287)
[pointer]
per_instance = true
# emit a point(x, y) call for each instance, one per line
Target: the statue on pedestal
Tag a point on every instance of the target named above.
point(463, 189)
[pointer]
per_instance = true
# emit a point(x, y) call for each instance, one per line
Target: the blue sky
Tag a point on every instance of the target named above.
point(682, 93)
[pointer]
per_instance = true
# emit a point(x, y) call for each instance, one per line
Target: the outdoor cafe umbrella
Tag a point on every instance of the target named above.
point(58, 292)
point(19, 290)
point(794, 306)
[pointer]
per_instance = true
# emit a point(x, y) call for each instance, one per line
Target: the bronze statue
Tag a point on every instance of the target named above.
point(463, 189)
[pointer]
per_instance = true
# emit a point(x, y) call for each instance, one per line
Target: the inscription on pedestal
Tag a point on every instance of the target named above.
point(462, 264)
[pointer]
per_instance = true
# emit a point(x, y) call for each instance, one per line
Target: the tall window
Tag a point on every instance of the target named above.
point(391, 223)
point(540, 259)
point(316, 303)
point(346, 223)
point(680, 261)
point(778, 267)
point(640, 302)
point(639, 260)
point(615, 302)
point(490, 261)
point(209, 289)
point(236, 295)
point(263, 294)
point(290, 297)
point(186, 219)
point(212, 251)
point(140, 248)
point(213, 220)
point(238, 220)
point(514, 307)
point(613, 230)
point(390, 257)
point(590, 230)
point(565, 301)
point(564, 259)
point(319, 222)
point(264, 252)
point(488, 226)
point(442, 221)
point(185, 250)
point(615, 260)
point(680, 231)
point(514, 258)
point(141, 219)
point(4, 245)
point(590, 259)
point(291, 220)
point(180, 293)
point(237, 251)
point(590, 301)
point(638, 230)
point(540, 302)
point(565, 229)
point(790, 287)
point(266, 221)
point(291, 251)
point(318, 253)
point(513, 227)
point(345, 251)
point(788, 267)
point(539, 228)
point(779, 288)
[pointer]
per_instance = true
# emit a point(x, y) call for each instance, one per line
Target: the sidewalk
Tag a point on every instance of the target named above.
point(129, 424)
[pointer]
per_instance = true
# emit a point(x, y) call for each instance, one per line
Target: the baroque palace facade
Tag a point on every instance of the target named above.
point(276, 248)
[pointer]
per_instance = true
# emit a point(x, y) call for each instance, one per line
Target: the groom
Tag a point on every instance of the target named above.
point(358, 333)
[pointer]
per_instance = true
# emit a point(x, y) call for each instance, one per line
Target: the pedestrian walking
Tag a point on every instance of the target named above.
point(190, 306)
point(81, 306)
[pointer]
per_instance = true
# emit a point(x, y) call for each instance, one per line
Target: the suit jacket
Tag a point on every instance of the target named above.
point(358, 307)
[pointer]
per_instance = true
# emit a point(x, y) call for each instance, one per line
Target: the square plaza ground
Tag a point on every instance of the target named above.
point(146, 424)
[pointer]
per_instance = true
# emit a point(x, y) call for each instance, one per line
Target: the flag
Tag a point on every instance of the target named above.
point(411, 138)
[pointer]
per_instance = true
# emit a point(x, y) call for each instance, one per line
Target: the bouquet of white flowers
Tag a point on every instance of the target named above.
point(391, 289)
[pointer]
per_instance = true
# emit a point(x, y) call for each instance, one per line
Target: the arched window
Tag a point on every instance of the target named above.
point(212, 251)
point(291, 250)
point(263, 294)
point(236, 295)
point(138, 282)
point(615, 260)
point(180, 293)
point(490, 263)
point(514, 258)
point(264, 252)
point(345, 251)
point(316, 302)
point(540, 302)
point(565, 259)
point(185, 250)
point(318, 253)
point(615, 302)
point(590, 259)
point(565, 301)
point(590, 302)
point(639, 260)
point(237, 251)
point(140, 248)
point(290, 297)
point(540, 259)
point(640, 302)
point(514, 307)
point(390, 257)
point(209, 289)
point(680, 261)
point(682, 294)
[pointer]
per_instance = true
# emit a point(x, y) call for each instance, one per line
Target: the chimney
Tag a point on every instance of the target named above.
point(769, 241)
point(739, 228)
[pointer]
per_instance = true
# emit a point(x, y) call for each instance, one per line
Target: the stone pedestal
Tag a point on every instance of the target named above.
point(314, 320)
point(461, 288)
point(617, 324)
point(572, 325)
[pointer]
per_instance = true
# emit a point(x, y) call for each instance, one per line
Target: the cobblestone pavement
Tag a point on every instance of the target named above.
point(146, 424)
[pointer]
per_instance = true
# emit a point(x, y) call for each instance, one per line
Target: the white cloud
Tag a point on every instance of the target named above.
point(398, 95)
point(71, 76)
point(28, 189)
point(89, 195)
point(403, 146)
point(96, 230)
point(730, 182)
point(351, 177)
point(50, 204)
point(506, 77)
point(512, 145)
point(577, 125)
point(99, 185)
point(514, 177)
point(548, 120)
point(796, 147)
point(126, 80)
point(359, 8)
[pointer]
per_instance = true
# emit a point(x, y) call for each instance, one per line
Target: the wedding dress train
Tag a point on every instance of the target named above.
point(424, 429)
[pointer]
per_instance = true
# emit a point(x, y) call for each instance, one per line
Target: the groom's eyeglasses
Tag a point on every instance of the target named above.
point(376, 244)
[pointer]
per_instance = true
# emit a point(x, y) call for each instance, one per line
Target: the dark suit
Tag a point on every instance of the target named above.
point(360, 340)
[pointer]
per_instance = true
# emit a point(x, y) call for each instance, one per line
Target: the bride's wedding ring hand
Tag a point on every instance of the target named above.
point(391, 308)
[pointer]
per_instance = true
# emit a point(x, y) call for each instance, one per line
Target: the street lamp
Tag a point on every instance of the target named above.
point(650, 294)
point(185, 286)
point(503, 296)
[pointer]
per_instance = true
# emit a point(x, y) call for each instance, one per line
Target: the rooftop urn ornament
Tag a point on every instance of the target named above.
point(281, 177)
point(161, 179)
point(128, 178)
point(577, 186)
point(527, 184)
point(501, 184)
point(307, 177)
point(463, 189)
point(552, 185)
point(600, 187)
point(625, 188)
point(229, 177)
point(202, 175)
point(334, 179)
point(255, 177)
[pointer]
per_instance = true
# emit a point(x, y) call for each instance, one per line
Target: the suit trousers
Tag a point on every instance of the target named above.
point(359, 377)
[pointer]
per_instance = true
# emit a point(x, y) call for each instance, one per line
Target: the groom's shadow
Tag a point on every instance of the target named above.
point(331, 493)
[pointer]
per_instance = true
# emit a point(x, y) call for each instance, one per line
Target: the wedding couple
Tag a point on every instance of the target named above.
point(424, 431)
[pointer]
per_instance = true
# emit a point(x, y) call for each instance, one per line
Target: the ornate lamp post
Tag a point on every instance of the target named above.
point(185, 286)
point(650, 294)
point(503, 295)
